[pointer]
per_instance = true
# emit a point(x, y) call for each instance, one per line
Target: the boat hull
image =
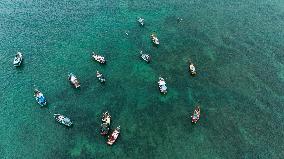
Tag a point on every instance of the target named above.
point(146, 58)
point(73, 80)
point(18, 59)
point(195, 118)
point(100, 59)
point(41, 100)
point(191, 69)
point(104, 129)
point(113, 137)
point(63, 120)
point(105, 126)
point(162, 86)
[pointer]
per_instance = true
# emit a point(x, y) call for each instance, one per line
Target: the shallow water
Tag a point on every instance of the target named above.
point(236, 46)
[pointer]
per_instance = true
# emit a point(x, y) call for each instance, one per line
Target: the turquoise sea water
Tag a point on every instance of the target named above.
point(238, 48)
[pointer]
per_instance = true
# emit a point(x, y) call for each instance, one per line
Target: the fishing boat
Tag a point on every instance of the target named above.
point(155, 39)
point(179, 19)
point(99, 58)
point(62, 120)
point(105, 123)
point(39, 98)
point(145, 57)
point(141, 21)
point(196, 115)
point(100, 77)
point(18, 59)
point(73, 80)
point(113, 137)
point(162, 85)
point(192, 68)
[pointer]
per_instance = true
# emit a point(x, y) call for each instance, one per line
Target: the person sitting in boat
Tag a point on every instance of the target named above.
point(60, 117)
point(106, 120)
point(36, 92)
point(161, 81)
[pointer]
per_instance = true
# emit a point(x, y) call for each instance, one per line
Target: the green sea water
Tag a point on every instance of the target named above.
point(237, 46)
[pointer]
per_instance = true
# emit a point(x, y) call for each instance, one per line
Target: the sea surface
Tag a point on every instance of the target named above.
point(237, 46)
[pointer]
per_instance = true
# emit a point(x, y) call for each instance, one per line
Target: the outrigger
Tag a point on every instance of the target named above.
point(162, 85)
point(99, 58)
point(154, 39)
point(73, 80)
point(196, 115)
point(100, 77)
point(105, 123)
point(113, 137)
point(62, 119)
point(39, 98)
point(18, 59)
point(145, 57)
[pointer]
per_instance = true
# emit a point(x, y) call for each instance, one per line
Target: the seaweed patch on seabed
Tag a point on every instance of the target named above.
point(148, 123)
point(2, 151)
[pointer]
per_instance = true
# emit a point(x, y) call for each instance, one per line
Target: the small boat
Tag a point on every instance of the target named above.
point(39, 98)
point(141, 21)
point(179, 19)
point(73, 79)
point(145, 57)
point(101, 77)
point(105, 123)
point(192, 69)
point(62, 120)
point(196, 115)
point(99, 58)
point(18, 59)
point(162, 85)
point(154, 39)
point(112, 138)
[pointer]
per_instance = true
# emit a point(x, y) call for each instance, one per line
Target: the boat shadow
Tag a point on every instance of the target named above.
point(155, 45)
